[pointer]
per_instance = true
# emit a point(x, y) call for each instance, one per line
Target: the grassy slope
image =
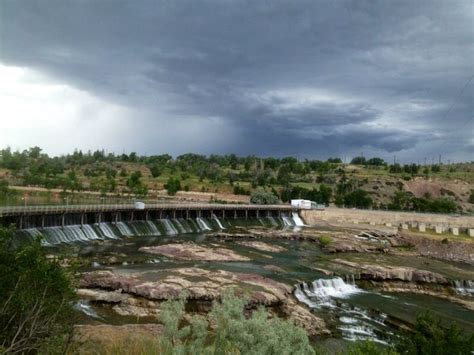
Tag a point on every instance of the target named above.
point(377, 180)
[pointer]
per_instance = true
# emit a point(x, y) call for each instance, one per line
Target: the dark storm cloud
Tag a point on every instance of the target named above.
point(310, 78)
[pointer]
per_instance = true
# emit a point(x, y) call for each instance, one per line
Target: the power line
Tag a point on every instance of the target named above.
point(458, 96)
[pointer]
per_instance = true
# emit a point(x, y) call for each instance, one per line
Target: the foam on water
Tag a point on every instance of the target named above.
point(355, 323)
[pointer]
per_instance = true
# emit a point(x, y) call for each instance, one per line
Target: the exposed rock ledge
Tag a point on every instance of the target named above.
point(141, 293)
point(192, 251)
point(394, 273)
point(262, 246)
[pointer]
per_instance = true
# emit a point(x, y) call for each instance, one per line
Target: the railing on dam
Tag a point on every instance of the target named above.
point(59, 209)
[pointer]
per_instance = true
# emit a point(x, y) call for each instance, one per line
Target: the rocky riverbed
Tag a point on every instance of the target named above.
point(192, 251)
point(343, 274)
point(140, 294)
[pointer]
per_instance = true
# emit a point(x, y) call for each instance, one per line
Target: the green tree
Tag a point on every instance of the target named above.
point(172, 186)
point(263, 198)
point(35, 297)
point(358, 160)
point(358, 198)
point(430, 336)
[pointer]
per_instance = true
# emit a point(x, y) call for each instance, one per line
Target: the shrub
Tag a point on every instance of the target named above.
point(35, 298)
point(172, 186)
point(263, 198)
point(358, 198)
point(431, 337)
point(231, 332)
point(325, 240)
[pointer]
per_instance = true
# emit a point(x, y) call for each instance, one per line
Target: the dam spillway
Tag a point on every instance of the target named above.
point(82, 223)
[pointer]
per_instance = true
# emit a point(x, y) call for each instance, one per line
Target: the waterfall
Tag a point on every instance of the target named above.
point(202, 224)
point(320, 292)
point(214, 217)
point(86, 308)
point(464, 287)
point(170, 228)
point(106, 230)
point(287, 222)
point(273, 221)
point(185, 225)
point(298, 221)
point(124, 229)
point(154, 229)
point(178, 225)
point(115, 230)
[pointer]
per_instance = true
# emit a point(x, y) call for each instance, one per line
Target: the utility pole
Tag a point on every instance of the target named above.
point(439, 159)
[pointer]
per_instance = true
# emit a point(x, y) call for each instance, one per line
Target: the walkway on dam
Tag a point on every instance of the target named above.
point(59, 209)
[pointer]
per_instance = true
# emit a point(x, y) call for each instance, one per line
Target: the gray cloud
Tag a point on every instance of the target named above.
point(308, 78)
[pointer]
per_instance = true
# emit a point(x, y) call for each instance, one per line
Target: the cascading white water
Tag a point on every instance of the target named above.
point(355, 323)
point(273, 221)
point(464, 287)
point(179, 226)
point(203, 224)
point(297, 219)
point(170, 228)
point(90, 232)
point(154, 229)
point(320, 291)
point(106, 230)
point(287, 222)
point(124, 229)
point(219, 223)
point(86, 308)
point(84, 233)
point(186, 225)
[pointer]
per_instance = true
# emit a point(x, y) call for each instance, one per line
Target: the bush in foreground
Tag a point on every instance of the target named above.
point(431, 337)
point(231, 332)
point(35, 298)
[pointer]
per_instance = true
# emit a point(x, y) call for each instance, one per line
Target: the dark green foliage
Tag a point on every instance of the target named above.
point(435, 168)
point(35, 297)
point(263, 198)
point(155, 170)
point(358, 198)
point(238, 190)
point(471, 197)
point(321, 195)
point(369, 348)
point(7, 194)
point(403, 201)
point(135, 184)
point(358, 161)
point(173, 186)
point(395, 168)
point(430, 336)
point(335, 160)
point(375, 162)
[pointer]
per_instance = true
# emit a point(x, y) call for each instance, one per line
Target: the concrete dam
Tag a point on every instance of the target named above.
point(75, 223)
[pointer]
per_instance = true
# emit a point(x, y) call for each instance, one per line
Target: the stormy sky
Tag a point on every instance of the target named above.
point(311, 79)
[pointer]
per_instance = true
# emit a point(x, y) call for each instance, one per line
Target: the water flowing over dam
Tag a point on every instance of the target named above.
point(69, 224)
point(164, 227)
